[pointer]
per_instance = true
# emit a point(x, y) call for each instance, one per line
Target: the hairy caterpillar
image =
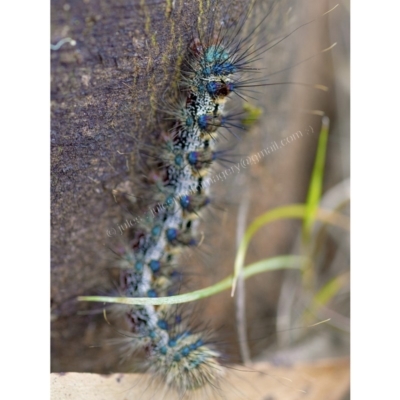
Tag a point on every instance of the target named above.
point(180, 357)
point(167, 156)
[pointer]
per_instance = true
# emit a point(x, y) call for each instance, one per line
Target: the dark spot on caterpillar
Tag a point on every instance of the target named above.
point(155, 265)
point(219, 89)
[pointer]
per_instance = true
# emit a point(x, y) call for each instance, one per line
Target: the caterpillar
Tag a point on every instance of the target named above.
point(178, 168)
point(178, 164)
point(175, 353)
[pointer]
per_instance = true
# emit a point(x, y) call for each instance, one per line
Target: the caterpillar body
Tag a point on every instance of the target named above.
point(177, 183)
point(176, 354)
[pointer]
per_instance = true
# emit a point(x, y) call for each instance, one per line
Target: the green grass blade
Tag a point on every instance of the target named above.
point(316, 182)
point(330, 289)
point(279, 213)
point(291, 211)
point(275, 263)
